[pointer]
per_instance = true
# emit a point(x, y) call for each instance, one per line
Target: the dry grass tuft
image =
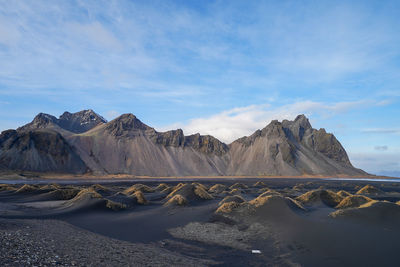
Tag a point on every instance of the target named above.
point(176, 200)
point(353, 201)
point(50, 187)
point(161, 187)
point(327, 197)
point(236, 191)
point(369, 190)
point(99, 187)
point(260, 184)
point(235, 198)
point(190, 192)
point(138, 187)
point(26, 188)
point(7, 187)
point(343, 193)
point(238, 186)
point(65, 193)
point(202, 193)
point(270, 192)
point(115, 205)
point(217, 188)
point(139, 197)
point(228, 207)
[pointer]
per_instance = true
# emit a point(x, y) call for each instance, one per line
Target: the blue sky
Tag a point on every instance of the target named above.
point(224, 68)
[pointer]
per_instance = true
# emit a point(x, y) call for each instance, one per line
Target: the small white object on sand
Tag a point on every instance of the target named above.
point(256, 251)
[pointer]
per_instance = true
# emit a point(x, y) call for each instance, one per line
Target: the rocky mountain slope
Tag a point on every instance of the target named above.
point(84, 141)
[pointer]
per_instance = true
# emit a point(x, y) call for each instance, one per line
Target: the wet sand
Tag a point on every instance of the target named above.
point(106, 225)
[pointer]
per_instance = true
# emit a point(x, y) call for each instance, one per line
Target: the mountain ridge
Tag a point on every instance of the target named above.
point(126, 145)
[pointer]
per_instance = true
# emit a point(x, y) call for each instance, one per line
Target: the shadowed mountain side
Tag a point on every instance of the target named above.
point(40, 151)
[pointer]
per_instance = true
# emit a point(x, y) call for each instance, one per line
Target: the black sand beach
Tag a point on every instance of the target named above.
point(165, 222)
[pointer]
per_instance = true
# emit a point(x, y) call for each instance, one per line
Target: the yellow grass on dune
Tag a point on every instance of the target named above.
point(139, 197)
point(228, 207)
point(235, 198)
point(317, 196)
point(176, 200)
point(138, 187)
point(217, 188)
point(99, 187)
point(190, 192)
point(369, 190)
point(238, 186)
point(161, 187)
point(26, 188)
point(7, 187)
point(353, 201)
point(343, 193)
point(260, 184)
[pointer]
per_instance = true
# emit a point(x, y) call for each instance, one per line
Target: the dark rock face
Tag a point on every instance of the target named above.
point(203, 143)
point(40, 151)
point(81, 121)
point(126, 125)
point(78, 122)
point(41, 121)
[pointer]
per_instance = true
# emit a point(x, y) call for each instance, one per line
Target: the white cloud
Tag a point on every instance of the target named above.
point(112, 114)
point(235, 123)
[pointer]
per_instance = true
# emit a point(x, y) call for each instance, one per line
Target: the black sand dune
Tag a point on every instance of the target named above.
point(217, 222)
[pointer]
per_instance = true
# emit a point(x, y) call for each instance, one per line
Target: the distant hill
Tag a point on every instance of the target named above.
point(85, 142)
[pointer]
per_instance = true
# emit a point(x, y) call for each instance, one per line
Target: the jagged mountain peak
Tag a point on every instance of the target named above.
point(77, 122)
point(125, 124)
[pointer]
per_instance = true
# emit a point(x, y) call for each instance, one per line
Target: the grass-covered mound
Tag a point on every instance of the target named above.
point(272, 207)
point(353, 201)
point(62, 193)
point(260, 184)
point(235, 198)
point(217, 188)
point(238, 186)
point(343, 193)
point(369, 190)
point(190, 192)
point(320, 196)
point(270, 192)
point(26, 188)
point(176, 200)
point(161, 187)
point(138, 187)
point(50, 187)
point(88, 198)
point(7, 187)
point(139, 197)
point(227, 207)
point(374, 211)
point(100, 188)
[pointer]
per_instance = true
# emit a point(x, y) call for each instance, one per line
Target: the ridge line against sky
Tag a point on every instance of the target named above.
point(211, 66)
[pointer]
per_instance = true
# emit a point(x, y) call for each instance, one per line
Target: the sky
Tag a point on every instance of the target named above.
point(225, 68)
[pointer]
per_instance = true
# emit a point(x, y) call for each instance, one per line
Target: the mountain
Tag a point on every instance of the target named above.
point(78, 122)
point(125, 145)
point(289, 148)
point(40, 150)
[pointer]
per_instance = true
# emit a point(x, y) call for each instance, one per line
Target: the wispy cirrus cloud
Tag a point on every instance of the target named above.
point(382, 130)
